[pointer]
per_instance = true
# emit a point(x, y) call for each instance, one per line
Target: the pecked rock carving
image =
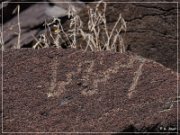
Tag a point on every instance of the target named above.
point(58, 87)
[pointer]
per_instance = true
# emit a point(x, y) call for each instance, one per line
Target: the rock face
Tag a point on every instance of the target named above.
point(152, 31)
point(54, 90)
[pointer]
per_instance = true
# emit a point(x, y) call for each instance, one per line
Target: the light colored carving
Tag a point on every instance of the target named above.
point(91, 78)
point(53, 82)
point(134, 83)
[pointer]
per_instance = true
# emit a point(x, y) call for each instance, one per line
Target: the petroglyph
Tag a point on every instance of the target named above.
point(61, 85)
point(103, 76)
point(58, 87)
point(138, 73)
point(53, 82)
point(90, 78)
point(113, 70)
point(106, 75)
point(86, 78)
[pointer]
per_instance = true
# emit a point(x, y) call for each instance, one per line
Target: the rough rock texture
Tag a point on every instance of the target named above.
point(67, 90)
point(152, 32)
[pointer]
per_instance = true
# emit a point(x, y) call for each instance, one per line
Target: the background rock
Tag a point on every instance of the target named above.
point(151, 29)
point(31, 21)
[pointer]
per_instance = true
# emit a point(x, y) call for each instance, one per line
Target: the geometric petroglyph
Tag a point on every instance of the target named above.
point(90, 77)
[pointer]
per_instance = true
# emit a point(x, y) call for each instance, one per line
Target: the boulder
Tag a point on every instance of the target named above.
point(54, 90)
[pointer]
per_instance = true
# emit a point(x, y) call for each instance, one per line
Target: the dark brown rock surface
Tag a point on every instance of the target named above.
point(71, 91)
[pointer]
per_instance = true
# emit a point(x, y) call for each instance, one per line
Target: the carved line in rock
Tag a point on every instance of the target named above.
point(86, 78)
point(53, 82)
point(138, 74)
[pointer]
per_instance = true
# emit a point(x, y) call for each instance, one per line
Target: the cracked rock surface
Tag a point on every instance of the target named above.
point(151, 29)
point(54, 90)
